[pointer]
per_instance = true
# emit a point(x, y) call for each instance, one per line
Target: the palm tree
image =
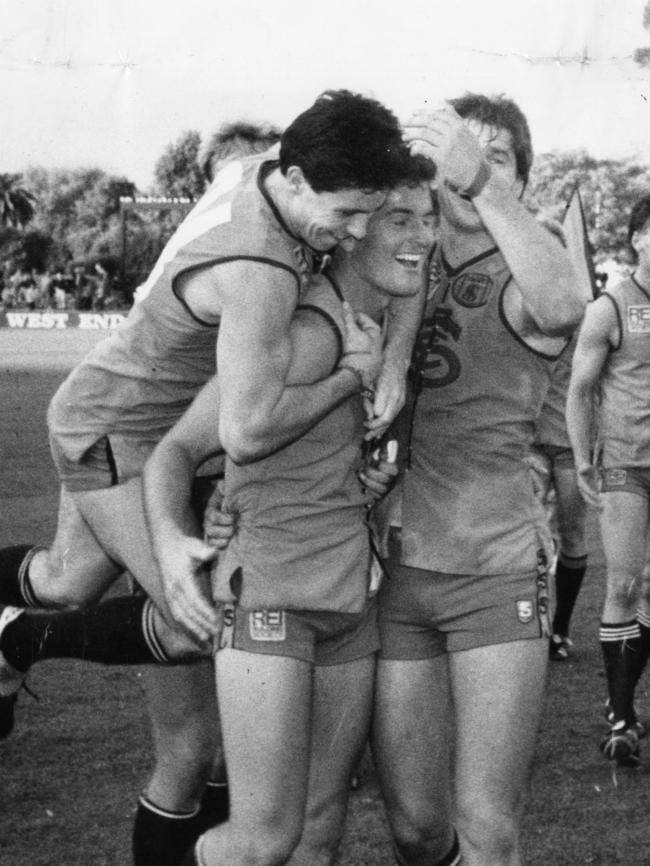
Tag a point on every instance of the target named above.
point(17, 205)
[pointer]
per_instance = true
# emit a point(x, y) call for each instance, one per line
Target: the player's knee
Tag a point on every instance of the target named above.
point(262, 844)
point(620, 593)
point(488, 830)
point(419, 837)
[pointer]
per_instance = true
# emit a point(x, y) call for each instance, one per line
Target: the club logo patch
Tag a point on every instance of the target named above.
point(616, 477)
point(472, 290)
point(638, 319)
point(267, 625)
point(525, 611)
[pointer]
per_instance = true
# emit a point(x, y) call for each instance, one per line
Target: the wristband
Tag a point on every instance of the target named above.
point(482, 176)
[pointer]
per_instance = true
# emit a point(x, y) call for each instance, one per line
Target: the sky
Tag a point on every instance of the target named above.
point(113, 82)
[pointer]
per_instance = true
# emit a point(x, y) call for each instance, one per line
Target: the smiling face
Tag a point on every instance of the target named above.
point(498, 149)
point(392, 256)
point(325, 219)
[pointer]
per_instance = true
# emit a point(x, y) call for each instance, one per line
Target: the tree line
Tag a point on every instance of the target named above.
point(56, 218)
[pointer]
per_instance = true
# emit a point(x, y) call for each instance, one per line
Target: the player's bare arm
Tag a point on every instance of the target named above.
point(181, 554)
point(259, 410)
point(542, 271)
point(404, 316)
point(598, 334)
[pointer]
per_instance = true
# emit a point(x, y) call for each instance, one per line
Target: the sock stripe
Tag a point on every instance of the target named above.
point(149, 631)
point(147, 804)
point(643, 618)
point(24, 583)
point(625, 631)
point(574, 562)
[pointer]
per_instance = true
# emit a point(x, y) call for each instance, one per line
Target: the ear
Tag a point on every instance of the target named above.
point(295, 178)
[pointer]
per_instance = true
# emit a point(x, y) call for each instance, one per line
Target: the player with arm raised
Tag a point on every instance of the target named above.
point(464, 620)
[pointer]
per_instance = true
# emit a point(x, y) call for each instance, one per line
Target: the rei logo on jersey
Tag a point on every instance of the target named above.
point(638, 319)
point(267, 625)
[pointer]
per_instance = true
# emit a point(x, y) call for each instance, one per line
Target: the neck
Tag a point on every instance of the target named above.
point(277, 189)
point(362, 296)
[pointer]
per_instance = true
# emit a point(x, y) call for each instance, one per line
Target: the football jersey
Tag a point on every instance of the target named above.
point(140, 380)
point(624, 415)
point(468, 502)
point(550, 427)
point(301, 541)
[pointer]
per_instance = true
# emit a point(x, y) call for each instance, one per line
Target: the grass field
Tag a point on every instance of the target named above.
point(70, 775)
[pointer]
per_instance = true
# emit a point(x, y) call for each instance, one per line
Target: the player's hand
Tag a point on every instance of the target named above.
point(588, 485)
point(185, 564)
point(445, 138)
point(218, 524)
point(378, 479)
point(390, 395)
point(362, 345)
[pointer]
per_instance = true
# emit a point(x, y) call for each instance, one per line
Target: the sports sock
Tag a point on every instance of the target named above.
point(15, 586)
point(623, 658)
point(451, 858)
point(569, 575)
point(215, 805)
point(644, 627)
point(116, 632)
point(160, 837)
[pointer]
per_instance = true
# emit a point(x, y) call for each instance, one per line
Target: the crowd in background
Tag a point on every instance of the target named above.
point(74, 287)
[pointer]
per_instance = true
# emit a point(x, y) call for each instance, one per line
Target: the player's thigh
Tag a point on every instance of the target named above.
point(498, 695)
point(76, 569)
point(571, 510)
point(186, 734)
point(341, 709)
point(623, 526)
point(265, 710)
point(182, 698)
point(116, 518)
point(410, 739)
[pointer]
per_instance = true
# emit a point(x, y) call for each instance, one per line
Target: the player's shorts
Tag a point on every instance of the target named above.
point(628, 479)
point(109, 461)
point(318, 637)
point(424, 614)
point(558, 455)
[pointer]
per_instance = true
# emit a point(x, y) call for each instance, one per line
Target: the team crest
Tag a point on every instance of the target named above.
point(616, 477)
point(638, 319)
point(525, 611)
point(267, 625)
point(472, 290)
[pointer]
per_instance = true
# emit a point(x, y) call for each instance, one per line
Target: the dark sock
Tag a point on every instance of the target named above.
point(161, 838)
point(15, 588)
point(451, 858)
point(623, 658)
point(569, 575)
point(644, 628)
point(215, 805)
point(115, 632)
point(190, 858)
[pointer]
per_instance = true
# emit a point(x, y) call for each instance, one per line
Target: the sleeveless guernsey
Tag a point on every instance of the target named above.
point(301, 540)
point(624, 428)
point(469, 505)
point(140, 380)
point(550, 427)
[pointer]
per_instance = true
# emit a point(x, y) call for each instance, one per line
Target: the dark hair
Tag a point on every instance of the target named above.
point(638, 218)
point(345, 141)
point(502, 113)
point(237, 139)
